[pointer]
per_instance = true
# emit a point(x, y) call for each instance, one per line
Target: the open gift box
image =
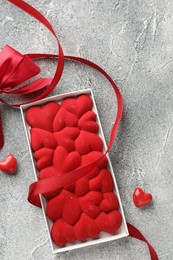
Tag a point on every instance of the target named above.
point(97, 214)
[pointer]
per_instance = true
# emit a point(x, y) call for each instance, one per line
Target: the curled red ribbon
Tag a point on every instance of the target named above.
point(46, 185)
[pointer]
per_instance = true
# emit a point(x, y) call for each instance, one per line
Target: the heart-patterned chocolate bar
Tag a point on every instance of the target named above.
point(64, 138)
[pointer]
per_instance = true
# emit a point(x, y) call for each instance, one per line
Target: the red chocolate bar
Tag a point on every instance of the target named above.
point(64, 137)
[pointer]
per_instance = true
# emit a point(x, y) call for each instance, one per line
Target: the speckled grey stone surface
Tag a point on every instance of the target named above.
point(133, 41)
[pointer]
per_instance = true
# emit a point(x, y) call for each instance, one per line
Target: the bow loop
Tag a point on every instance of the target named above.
point(15, 69)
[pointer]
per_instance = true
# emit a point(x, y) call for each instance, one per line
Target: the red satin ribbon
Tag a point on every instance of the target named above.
point(56, 182)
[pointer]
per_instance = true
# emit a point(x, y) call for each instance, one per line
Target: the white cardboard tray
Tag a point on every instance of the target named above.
point(104, 237)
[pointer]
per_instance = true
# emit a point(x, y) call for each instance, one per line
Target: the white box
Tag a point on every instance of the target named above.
point(104, 237)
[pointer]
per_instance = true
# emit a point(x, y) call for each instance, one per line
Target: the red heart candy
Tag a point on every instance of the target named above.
point(62, 233)
point(44, 157)
point(78, 106)
point(93, 196)
point(86, 227)
point(110, 222)
point(9, 165)
point(64, 161)
point(87, 122)
point(87, 142)
point(102, 182)
point(42, 117)
point(64, 118)
point(80, 229)
point(42, 138)
point(92, 156)
point(71, 209)
point(110, 202)
point(48, 173)
point(141, 198)
point(89, 203)
point(66, 137)
point(89, 208)
point(55, 206)
point(65, 206)
point(82, 187)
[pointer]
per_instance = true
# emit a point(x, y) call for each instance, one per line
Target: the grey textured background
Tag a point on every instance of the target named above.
point(133, 41)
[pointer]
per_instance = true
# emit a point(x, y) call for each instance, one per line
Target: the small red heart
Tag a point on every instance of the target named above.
point(66, 206)
point(42, 117)
point(141, 198)
point(42, 138)
point(87, 142)
point(82, 187)
point(9, 165)
point(86, 227)
point(102, 182)
point(66, 137)
point(90, 203)
point(92, 156)
point(110, 222)
point(78, 106)
point(64, 118)
point(64, 161)
point(110, 202)
point(44, 157)
point(49, 172)
point(88, 122)
point(62, 233)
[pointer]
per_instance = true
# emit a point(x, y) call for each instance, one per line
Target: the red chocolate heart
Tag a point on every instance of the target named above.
point(65, 206)
point(48, 173)
point(66, 137)
point(42, 117)
point(141, 198)
point(87, 142)
point(92, 157)
point(102, 182)
point(87, 122)
point(90, 203)
point(9, 165)
point(44, 158)
point(110, 222)
point(64, 118)
point(86, 227)
point(82, 187)
point(62, 233)
point(71, 209)
point(110, 202)
point(64, 161)
point(78, 106)
point(42, 138)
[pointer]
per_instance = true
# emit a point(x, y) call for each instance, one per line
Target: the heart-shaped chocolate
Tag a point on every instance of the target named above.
point(66, 137)
point(62, 233)
point(42, 117)
point(78, 106)
point(66, 206)
point(141, 198)
point(9, 165)
point(102, 182)
point(64, 118)
point(64, 161)
point(110, 222)
point(44, 158)
point(87, 142)
point(88, 122)
point(41, 138)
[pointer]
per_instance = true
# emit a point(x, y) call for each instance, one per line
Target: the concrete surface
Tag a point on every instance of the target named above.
point(133, 41)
